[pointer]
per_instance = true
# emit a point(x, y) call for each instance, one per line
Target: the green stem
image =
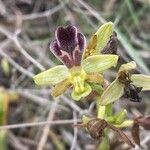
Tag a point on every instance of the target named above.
point(104, 145)
point(100, 109)
point(103, 111)
point(109, 110)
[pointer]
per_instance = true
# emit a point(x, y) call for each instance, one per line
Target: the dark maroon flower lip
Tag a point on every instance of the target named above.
point(68, 45)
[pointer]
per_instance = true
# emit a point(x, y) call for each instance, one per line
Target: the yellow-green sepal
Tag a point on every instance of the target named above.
point(128, 66)
point(141, 80)
point(103, 35)
point(52, 76)
point(112, 93)
point(99, 63)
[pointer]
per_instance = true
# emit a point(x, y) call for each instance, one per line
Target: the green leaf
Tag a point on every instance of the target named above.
point(99, 63)
point(112, 93)
point(3, 139)
point(5, 66)
point(128, 66)
point(141, 80)
point(52, 76)
point(77, 96)
point(103, 35)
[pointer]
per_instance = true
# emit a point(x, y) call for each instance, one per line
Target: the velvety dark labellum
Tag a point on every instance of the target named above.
point(132, 93)
point(112, 45)
point(68, 45)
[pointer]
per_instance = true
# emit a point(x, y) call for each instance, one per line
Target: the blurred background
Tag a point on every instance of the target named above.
point(35, 120)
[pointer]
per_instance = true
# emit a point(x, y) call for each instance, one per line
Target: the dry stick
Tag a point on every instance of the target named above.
point(45, 102)
point(31, 142)
point(13, 63)
point(74, 142)
point(72, 104)
point(21, 78)
point(40, 15)
point(15, 142)
point(143, 142)
point(30, 94)
point(47, 127)
point(37, 99)
point(97, 15)
point(34, 124)
point(2, 8)
point(40, 100)
point(20, 48)
point(43, 91)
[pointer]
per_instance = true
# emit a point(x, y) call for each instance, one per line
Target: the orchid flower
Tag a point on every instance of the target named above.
point(126, 84)
point(78, 71)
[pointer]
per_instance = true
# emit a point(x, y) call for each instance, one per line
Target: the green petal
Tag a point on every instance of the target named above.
point(126, 123)
point(99, 63)
point(95, 78)
point(113, 92)
point(97, 87)
point(103, 35)
point(77, 96)
point(60, 88)
point(128, 66)
point(52, 76)
point(91, 48)
point(120, 116)
point(141, 80)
